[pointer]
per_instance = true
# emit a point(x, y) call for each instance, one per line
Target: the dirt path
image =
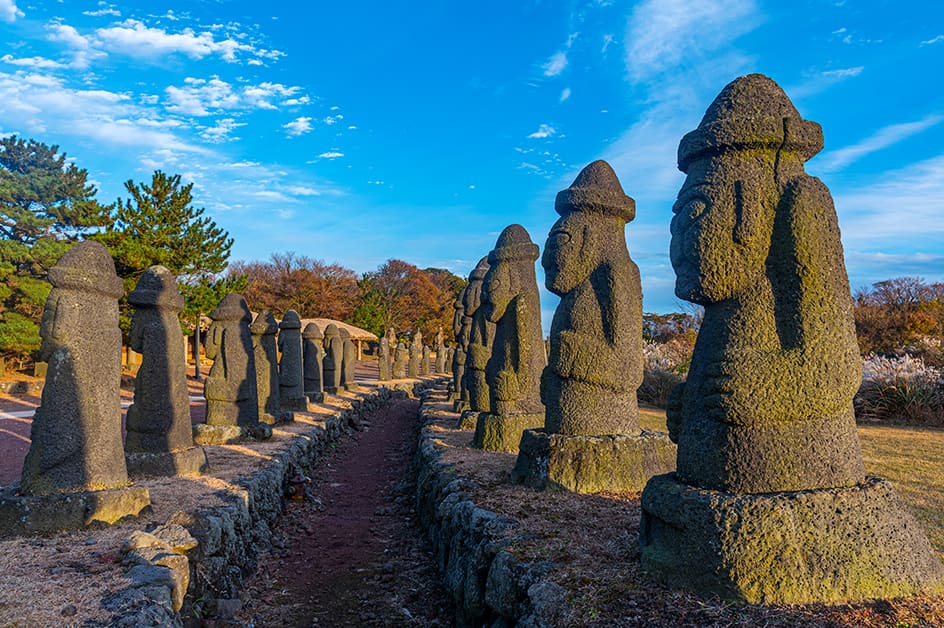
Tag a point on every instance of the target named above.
point(352, 554)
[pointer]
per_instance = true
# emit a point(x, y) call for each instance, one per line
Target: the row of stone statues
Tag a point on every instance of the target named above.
point(397, 361)
point(770, 501)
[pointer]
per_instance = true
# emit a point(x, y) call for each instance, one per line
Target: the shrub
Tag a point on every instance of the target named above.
point(666, 364)
point(900, 389)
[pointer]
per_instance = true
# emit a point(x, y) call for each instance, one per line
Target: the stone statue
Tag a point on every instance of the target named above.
point(159, 437)
point(391, 335)
point(313, 356)
point(765, 420)
point(291, 368)
point(230, 388)
point(513, 373)
point(266, 354)
point(478, 334)
point(596, 361)
point(440, 364)
point(458, 355)
point(333, 360)
point(75, 439)
point(383, 359)
point(401, 358)
point(425, 363)
point(416, 353)
point(349, 360)
point(74, 472)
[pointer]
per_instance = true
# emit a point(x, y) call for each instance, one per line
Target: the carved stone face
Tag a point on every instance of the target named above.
point(570, 253)
point(472, 297)
point(497, 291)
point(722, 226)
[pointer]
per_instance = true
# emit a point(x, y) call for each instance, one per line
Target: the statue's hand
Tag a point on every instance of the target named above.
point(506, 386)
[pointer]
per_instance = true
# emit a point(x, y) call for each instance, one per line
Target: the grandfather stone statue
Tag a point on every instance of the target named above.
point(416, 353)
point(425, 363)
point(313, 355)
point(391, 335)
point(440, 364)
point(513, 373)
point(458, 356)
point(230, 389)
point(770, 502)
point(291, 367)
point(349, 360)
point(478, 334)
point(401, 358)
point(159, 437)
point(333, 360)
point(383, 360)
point(74, 472)
point(450, 355)
point(591, 439)
point(266, 354)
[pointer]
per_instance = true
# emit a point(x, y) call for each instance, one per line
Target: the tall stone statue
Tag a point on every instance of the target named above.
point(513, 373)
point(349, 360)
point(596, 362)
point(478, 334)
point(291, 367)
point(440, 364)
point(391, 335)
point(230, 389)
point(458, 356)
point(425, 363)
point(74, 472)
point(383, 359)
point(159, 437)
point(313, 355)
point(266, 354)
point(416, 354)
point(400, 361)
point(333, 360)
point(770, 502)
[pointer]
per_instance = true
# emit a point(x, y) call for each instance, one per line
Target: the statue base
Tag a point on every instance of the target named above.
point(294, 404)
point(331, 390)
point(591, 464)
point(22, 515)
point(315, 397)
point(191, 461)
point(502, 432)
point(204, 434)
point(460, 406)
point(468, 420)
point(352, 388)
point(828, 545)
point(278, 417)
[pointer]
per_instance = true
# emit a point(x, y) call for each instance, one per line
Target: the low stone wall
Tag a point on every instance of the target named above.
point(475, 548)
point(228, 538)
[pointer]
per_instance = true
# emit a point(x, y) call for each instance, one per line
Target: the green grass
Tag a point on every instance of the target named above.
point(911, 458)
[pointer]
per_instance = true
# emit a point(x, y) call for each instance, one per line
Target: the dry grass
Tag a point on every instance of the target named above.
point(592, 540)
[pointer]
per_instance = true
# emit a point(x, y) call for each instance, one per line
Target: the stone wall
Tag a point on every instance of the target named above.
point(475, 547)
point(229, 538)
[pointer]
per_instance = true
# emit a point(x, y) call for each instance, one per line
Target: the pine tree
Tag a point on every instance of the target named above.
point(46, 205)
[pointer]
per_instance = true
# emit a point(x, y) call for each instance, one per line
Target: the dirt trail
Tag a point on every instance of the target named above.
point(352, 553)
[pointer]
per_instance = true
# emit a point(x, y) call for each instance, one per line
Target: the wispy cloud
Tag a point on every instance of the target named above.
point(556, 64)
point(545, 130)
point(933, 40)
point(221, 130)
point(843, 72)
point(109, 11)
point(565, 94)
point(837, 159)
point(9, 11)
point(203, 97)
point(32, 62)
point(334, 154)
point(298, 126)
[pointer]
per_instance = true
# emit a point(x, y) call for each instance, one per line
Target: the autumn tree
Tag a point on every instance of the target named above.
point(311, 287)
point(901, 313)
point(46, 205)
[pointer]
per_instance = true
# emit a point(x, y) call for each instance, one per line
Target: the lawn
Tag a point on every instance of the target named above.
point(911, 457)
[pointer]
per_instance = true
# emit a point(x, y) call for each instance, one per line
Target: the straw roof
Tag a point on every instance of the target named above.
point(356, 332)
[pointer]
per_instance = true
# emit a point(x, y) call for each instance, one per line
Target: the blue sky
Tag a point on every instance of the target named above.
point(356, 132)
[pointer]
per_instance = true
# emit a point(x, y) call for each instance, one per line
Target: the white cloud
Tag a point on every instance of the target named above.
point(607, 40)
point(662, 33)
point(556, 64)
point(294, 102)
point(32, 62)
point(134, 38)
point(331, 155)
point(221, 130)
point(112, 11)
point(203, 97)
point(298, 126)
point(543, 131)
point(844, 72)
point(565, 94)
point(837, 159)
point(79, 45)
point(302, 190)
point(933, 40)
point(332, 120)
point(9, 11)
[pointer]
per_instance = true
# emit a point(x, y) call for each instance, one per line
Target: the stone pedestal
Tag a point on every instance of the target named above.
point(468, 420)
point(591, 464)
point(826, 545)
point(458, 405)
point(316, 397)
point(190, 461)
point(294, 404)
point(502, 432)
point(47, 514)
point(204, 434)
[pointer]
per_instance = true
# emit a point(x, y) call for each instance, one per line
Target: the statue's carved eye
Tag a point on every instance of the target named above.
point(695, 208)
point(560, 238)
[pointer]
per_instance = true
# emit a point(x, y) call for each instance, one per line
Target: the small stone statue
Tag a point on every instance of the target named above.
point(230, 388)
point(416, 353)
point(333, 360)
point(513, 373)
point(313, 355)
point(291, 367)
point(770, 502)
point(400, 361)
point(159, 437)
point(440, 364)
point(479, 336)
point(425, 368)
point(349, 360)
point(458, 355)
point(383, 359)
point(266, 353)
